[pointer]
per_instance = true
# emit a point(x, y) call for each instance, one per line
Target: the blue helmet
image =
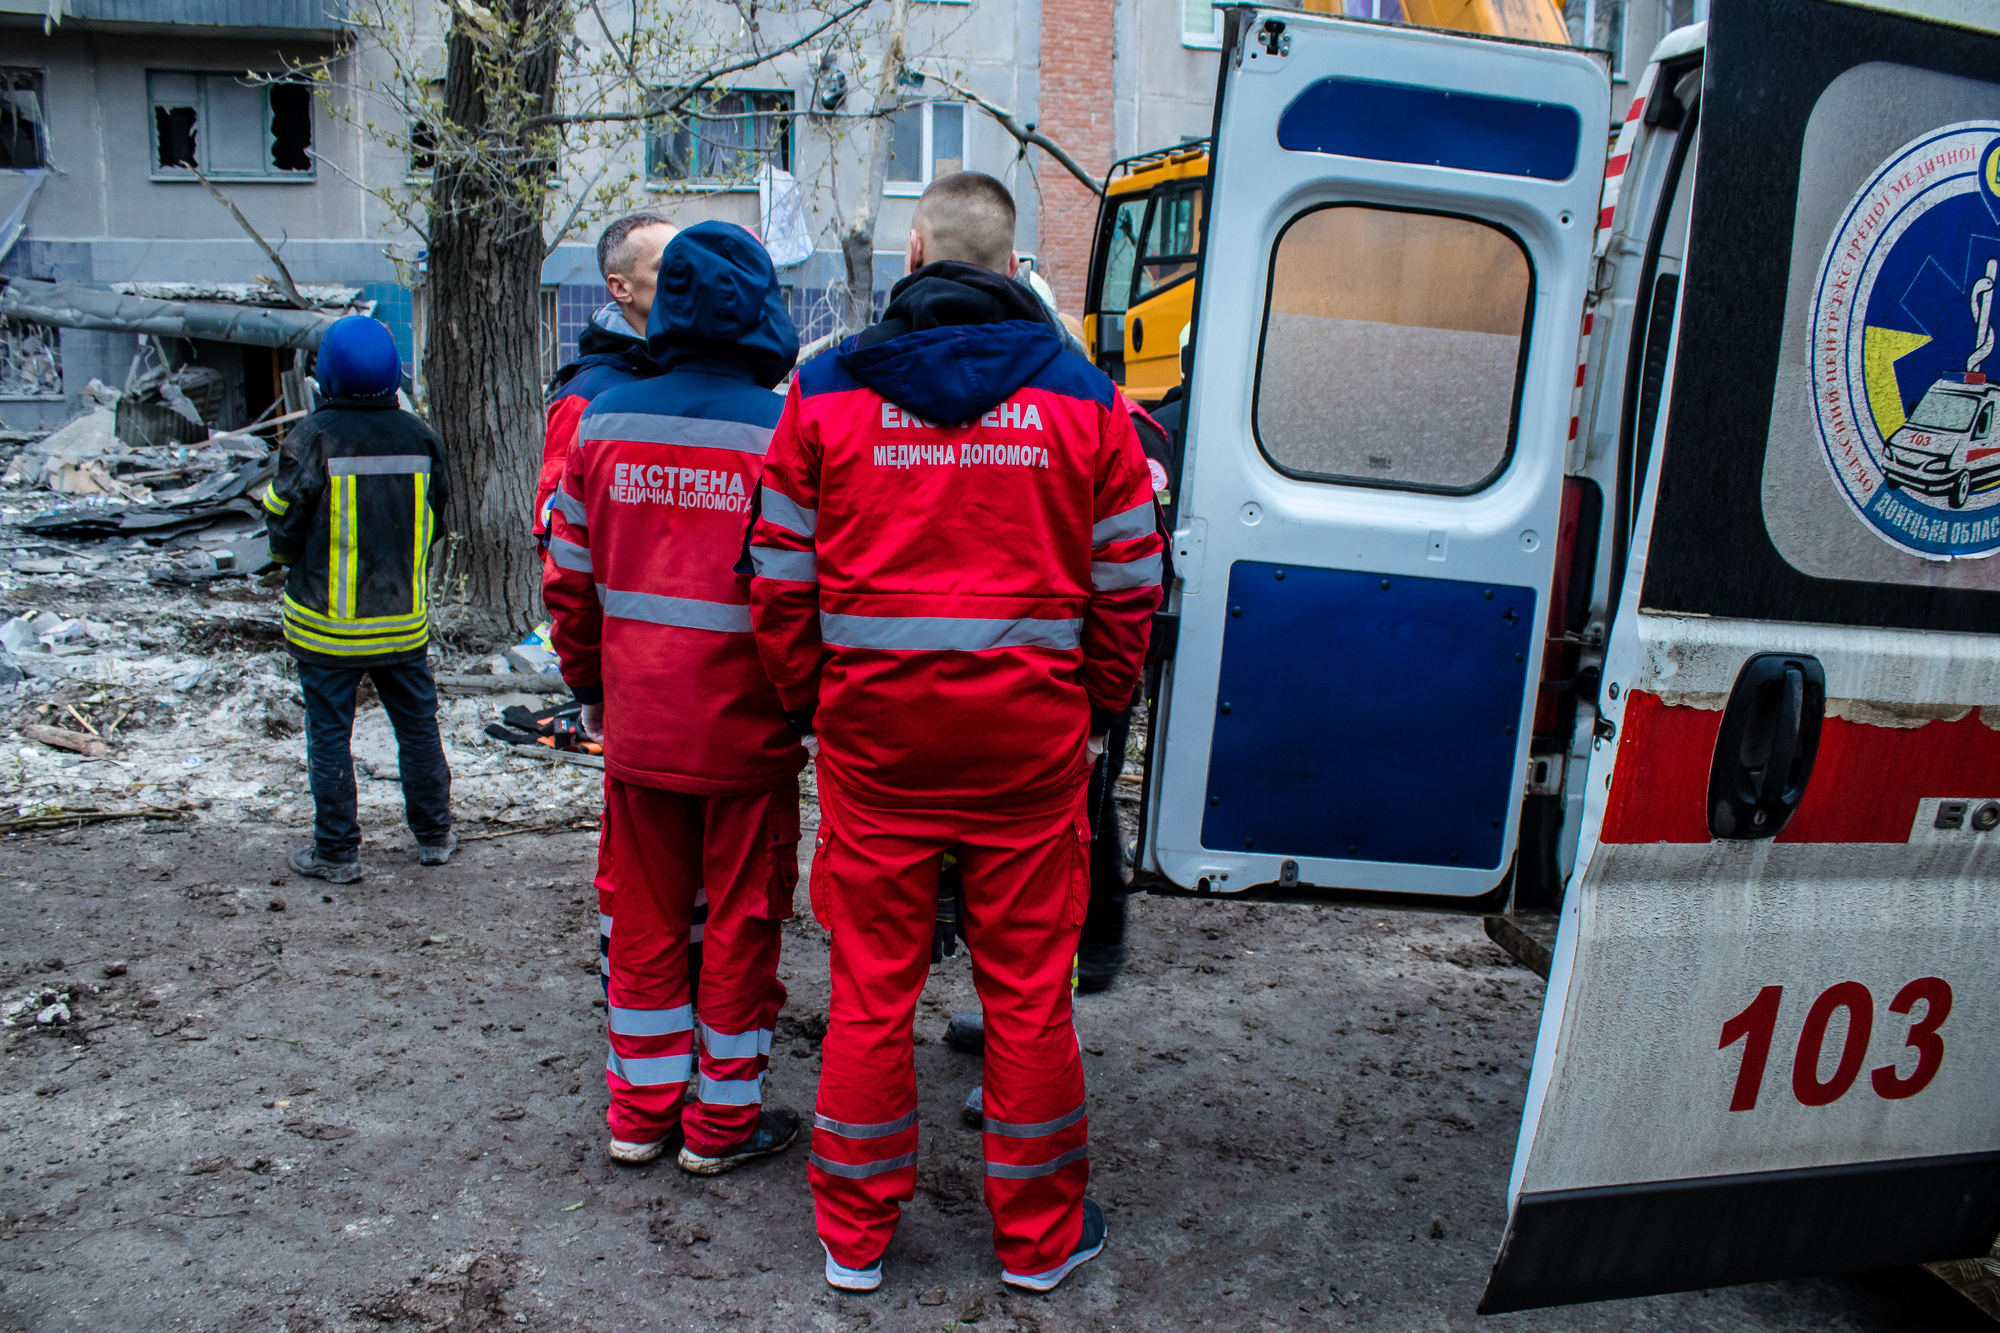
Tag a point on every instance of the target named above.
point(357, 359)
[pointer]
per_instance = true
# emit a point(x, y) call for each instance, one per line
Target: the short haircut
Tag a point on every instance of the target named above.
point(614, 247)
point(967, 216)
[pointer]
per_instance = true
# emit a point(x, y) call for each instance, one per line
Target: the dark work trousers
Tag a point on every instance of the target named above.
point(1104, 925)
point(410, 697)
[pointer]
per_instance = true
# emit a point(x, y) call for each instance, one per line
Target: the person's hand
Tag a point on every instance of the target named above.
point(592, 720)
point(811, 741)
point(1094, 745)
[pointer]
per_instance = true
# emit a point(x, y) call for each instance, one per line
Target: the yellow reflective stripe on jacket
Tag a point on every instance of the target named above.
point(318, 620)
point(421, 527)
point(358, 647)
point(343, 547)
point(274, 502)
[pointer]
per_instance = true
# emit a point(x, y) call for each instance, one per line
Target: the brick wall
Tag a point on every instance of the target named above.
point(1076, 113)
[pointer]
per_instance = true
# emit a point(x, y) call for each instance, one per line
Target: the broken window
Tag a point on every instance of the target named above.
point(720, 137)
point(230, 127)
point(423, 131)
point(22, 142)
point(30, 361)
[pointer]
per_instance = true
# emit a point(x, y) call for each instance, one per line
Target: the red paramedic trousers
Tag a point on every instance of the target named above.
point(663, 848)
point(874, 886)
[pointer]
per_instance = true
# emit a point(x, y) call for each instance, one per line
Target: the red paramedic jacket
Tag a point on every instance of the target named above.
point(957, 599)
point(609, 355)
point(646, 530)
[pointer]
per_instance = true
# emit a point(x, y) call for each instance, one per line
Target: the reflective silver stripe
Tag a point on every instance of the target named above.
point(604, 962)
point(792, 566)
point(572, 508)
point(732, 1091)
point(735, 1045)
point(568, 555)
point(947, 633)
point(788, 513)
point(604, 923)
point(877, 1131)
point(651, 1072)
point(387, 465)
point(1013, 1131)
point(701, 897)
point(1110, 576)
point(861, 1170)
point(686, 612)
point(695, 432)
point(1006, 1171)
point(1134, 522)
point(651, 1022)
point(695, 932)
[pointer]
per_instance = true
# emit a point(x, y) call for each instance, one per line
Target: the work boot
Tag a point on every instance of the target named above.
point(966, 1032)
point(776, 1130)
point(1087, 1248)
point(309, 862)
point(437, 853)
point(851, 1279)
point(638, 1154)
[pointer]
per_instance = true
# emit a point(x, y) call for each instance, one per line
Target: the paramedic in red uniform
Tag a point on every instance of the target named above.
point(956, 569)
point(652, 622)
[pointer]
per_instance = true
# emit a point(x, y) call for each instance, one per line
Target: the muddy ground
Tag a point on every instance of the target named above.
point(380, 1107)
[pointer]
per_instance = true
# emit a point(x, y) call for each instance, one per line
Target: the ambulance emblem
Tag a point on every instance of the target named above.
point(1905, 383)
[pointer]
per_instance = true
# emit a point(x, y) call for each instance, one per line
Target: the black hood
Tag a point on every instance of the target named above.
point(955, 340)
point(949, 293)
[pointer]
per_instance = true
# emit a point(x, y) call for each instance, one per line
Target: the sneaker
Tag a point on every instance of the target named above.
point(851, 1279)
point(437, 853)
point(309, 862)
point(776, 1130)
point(638, 1154)
point(973, 1114)
point(1087, 1248)
point(966, 1032)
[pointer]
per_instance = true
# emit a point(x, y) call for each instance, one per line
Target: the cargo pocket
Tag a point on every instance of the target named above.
point(782, 849)
point(1079, 903)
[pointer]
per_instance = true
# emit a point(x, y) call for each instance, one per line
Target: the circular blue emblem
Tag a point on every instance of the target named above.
point(1905, 382)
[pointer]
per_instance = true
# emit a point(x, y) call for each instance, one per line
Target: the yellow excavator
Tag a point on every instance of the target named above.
point(1142, 264)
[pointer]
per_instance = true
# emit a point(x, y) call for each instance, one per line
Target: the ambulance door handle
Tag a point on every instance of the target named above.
point(1784, 742)
point(1765, 747)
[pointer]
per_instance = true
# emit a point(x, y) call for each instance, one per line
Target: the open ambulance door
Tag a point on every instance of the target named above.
point(1394, 272)
point(1770, 1047)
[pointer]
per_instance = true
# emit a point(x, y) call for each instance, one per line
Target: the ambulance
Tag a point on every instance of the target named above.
point(1555, 534)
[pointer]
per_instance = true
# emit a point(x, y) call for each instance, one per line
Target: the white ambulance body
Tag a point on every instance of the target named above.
point(1661, 639)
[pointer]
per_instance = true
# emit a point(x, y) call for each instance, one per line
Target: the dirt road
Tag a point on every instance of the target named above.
point(380, 1107)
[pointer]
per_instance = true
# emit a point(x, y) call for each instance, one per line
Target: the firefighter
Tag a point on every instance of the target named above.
point(956, 567)
point(356, 507)
point(652, 623)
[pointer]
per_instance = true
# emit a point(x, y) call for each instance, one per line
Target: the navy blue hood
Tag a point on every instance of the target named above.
point(718, 304)
point(956, 340)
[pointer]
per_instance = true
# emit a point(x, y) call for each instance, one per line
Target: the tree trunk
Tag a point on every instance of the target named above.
point(483, 355)
point(857, 242)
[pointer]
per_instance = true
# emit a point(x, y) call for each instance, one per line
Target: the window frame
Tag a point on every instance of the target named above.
point(1158, 195)
point(1520, 361)
point(271, 174)
point(1201, 41)
point(40, 75)
point(719, 184)
point(912, 189)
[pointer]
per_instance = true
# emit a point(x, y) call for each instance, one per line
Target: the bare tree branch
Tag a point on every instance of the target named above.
point(1026, 134)
point(290, 288)
point(688, 91)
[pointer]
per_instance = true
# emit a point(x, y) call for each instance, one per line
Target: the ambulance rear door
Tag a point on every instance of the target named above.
point(1771, 1044)
point(1394, 271)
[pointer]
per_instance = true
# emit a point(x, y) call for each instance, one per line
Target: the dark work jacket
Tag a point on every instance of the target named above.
point(358, 503)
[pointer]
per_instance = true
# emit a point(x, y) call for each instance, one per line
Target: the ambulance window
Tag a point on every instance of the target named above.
point(1984, 426)
point(1392, 349)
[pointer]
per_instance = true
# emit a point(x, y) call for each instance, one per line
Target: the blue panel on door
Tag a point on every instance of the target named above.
point(1400, 122)
point(1367, 717)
